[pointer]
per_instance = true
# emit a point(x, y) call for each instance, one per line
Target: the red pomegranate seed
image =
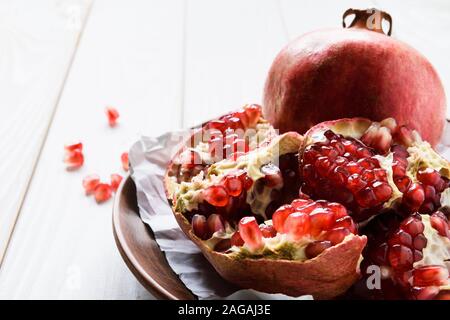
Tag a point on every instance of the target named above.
point(297, 204)
point(74, 159)
point(199, 226)
point(315, 248)
point(338, 209)
point(420, 242)
point(440, 223)
point(430, 276)
point(125, 161)
point(279, 217)
point(236, 240)
point(74, 146)
point(253, 113)
point(401, 237)
point(402, 183)
point(320, 219)
point(398, 169)
point(116, 179)
point(102, 192)
point(90, 182)
point(336, 235)
point(215, 223)
point(356, 183)
point(400, 257)
point(233, 185)
point(246, 180)
point(297, 225)
point(346, 222)
point(112, 115)
point(250, 233)
point(414, 197)
point(216, 195)
point(268, 231)
point(418, 255)
point(428, 176)
point(413, 226)
point(382, 191)
point(366, 198)
point(403, 135)
point(217, 124)
point(273, 177)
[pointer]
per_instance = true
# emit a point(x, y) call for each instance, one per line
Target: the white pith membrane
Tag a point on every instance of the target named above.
point(421, 154)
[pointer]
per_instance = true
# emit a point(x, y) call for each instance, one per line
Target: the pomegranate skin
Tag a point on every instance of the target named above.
point(339, 73)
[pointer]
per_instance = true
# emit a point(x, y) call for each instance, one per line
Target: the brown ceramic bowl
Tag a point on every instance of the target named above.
point(139, 249)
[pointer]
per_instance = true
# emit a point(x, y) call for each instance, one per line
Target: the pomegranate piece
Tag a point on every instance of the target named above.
point(112, 115)
point(397, 245)
point(90, 182)
point(343, 170)
point(125, 161)
point(250, 233)
point(116, 179)
point(74, 159)
point(337, 235)
point(216, 195)
point(102, 192)
point(199, 226)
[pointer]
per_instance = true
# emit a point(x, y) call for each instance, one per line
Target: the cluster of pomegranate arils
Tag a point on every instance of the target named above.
point(345, 170)
point(226, 135)
point(74, 159)
point(324, 224)
point(397, 244)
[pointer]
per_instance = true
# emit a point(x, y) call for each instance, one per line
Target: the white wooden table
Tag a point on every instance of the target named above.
point(164, 65)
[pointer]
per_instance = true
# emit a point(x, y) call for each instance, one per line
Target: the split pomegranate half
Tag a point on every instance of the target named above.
point(236, 195)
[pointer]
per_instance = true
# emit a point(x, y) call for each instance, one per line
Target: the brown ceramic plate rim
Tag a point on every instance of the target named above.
point(128, 254)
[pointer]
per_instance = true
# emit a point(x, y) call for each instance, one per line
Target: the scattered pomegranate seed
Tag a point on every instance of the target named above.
point(90, 182)
point(125, 162)
point(116, 179)
point(112, 115)
point(250, 233)
point(74, 159)
point(102, 192)
point(74, 146)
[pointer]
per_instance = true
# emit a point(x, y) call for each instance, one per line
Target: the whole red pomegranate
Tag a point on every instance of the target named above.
point(354, 72)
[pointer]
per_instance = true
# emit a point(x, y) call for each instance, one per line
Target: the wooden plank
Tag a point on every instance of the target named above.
point(130, 56)
point(229, 48)
point(37, 43)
